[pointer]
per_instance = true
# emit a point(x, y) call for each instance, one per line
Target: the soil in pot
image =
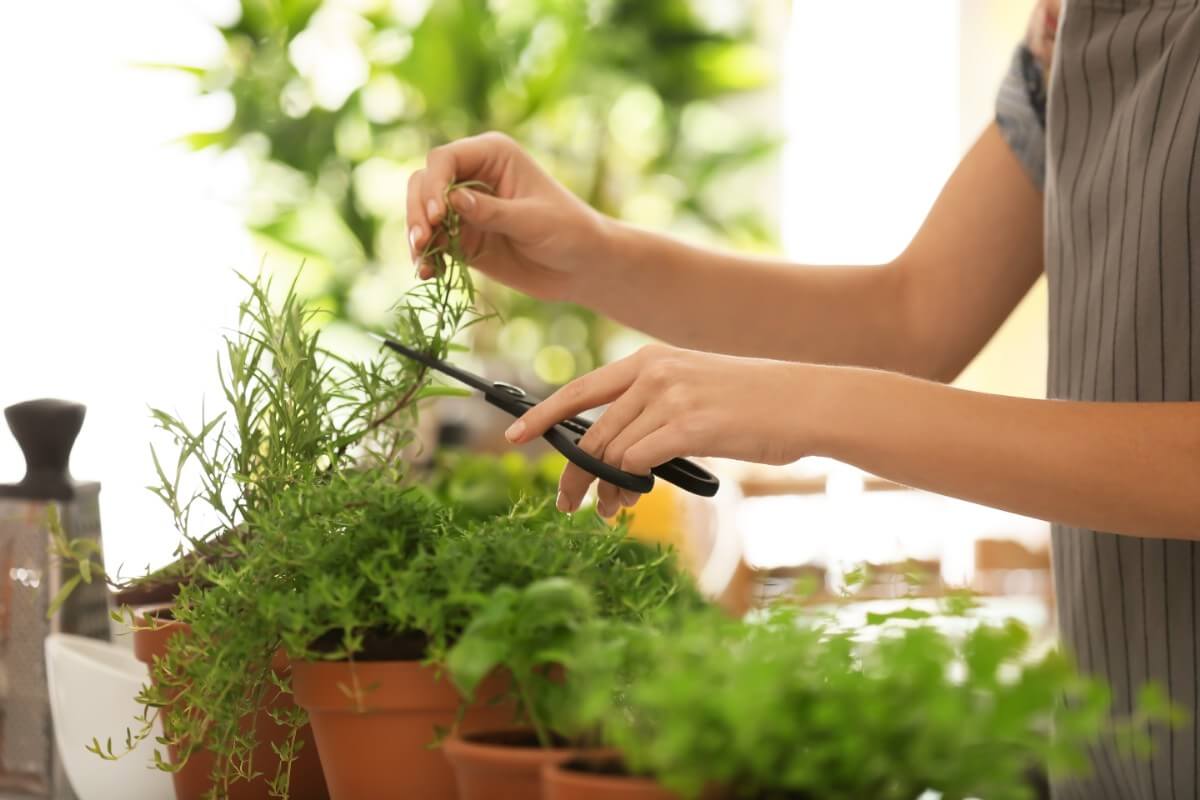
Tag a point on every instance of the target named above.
point(375, 722)
point(193, 782)
point(502, 763)
point(589, 778)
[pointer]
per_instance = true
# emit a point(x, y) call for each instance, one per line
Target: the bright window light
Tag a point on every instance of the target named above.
point(119, 245)
point(870, 105)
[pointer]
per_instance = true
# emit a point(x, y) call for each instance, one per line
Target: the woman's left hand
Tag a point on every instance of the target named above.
point(667, 402)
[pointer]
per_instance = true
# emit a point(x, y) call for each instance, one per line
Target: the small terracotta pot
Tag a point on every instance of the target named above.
point(192, 782)
point(506, 764)
point(600, 775)
point(377, 745)
point(571, 780)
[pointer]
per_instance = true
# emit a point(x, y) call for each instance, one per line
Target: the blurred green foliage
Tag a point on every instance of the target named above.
point(483, 485)
point(337, 102)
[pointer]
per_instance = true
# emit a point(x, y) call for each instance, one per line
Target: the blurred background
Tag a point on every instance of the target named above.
point(150, 148)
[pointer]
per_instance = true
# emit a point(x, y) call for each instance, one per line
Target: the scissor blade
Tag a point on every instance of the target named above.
point(460, 375)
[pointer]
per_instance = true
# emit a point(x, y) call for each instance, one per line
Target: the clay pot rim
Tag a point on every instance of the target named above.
point(561, 772)
point(155, 617)
point(388, 686)
point(461, 749)
point(151, 632)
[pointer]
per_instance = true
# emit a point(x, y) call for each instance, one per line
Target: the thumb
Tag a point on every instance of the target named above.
point(487, 212)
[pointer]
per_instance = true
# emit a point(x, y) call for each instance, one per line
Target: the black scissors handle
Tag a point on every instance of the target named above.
point(564, 437)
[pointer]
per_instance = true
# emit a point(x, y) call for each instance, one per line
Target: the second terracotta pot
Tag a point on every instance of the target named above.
point(193, 781)
point(375, 721)
point(501, 764)
point(576, 779)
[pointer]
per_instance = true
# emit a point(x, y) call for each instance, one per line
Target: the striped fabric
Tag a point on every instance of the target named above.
point(1122, 253)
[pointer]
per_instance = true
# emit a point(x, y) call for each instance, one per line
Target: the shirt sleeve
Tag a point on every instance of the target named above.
point(1021, 113)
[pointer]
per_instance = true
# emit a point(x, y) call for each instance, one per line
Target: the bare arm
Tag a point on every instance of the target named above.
point(1131, 468)
point(928, 313)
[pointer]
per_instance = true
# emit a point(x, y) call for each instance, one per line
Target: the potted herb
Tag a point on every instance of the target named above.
point(333, 575)
point(789, 707)
point(368, 586)
point(297, 415)
point(293, 411)
point(529, 633)
point(536, 635)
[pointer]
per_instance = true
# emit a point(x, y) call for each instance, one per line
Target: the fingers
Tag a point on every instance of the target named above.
point(609, 497)
point(490, 213)
point(476, 157)
point(656, 448)
point(603, 385)
point(575, 481)
point(572, 486)
point(419, 226)
point(472, 158)
point(633, 450)
point(623, 424)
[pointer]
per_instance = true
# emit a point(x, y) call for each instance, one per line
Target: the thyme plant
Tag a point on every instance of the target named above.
point(358, 567)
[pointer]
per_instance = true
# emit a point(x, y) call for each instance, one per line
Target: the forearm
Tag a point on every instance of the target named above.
point(729, 303)
point(1131, 468)
point(927, 313)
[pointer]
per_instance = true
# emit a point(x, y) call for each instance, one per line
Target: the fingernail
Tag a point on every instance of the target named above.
point(432, 208)
point(515, 430)
point(628, 499)
point(561, 503)
point(414, 234)
point(605, 510)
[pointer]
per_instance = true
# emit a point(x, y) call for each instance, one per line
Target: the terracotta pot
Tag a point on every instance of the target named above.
point(600, 775)
point(501, 764)
point(192, 782)
point(377, 745)
point(573, 780)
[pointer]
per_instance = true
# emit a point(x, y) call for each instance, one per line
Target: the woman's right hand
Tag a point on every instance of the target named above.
point(531, 233)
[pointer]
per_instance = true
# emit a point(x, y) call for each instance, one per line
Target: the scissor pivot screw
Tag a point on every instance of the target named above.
point(515, 391)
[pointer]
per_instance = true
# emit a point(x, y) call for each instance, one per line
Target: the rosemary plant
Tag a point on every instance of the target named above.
point(296, 416)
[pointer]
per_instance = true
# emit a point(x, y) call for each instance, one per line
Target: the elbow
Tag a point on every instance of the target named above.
point(918, 341)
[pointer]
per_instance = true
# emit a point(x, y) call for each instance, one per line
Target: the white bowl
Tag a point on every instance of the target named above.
point(92, 689)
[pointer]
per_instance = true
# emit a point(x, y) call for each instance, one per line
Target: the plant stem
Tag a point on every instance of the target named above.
point(539, 728)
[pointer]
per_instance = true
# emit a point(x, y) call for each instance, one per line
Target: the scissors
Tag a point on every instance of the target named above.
point(564, 436)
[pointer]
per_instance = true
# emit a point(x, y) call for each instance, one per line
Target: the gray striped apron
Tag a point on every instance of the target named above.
point(1123, 260)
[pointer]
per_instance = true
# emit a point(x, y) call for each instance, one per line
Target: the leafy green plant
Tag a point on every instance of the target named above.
point(325, 547)
point(359, 567)
point(530, 632)
point(536, 631)
point(294, 411)
point(299, 421)
point(790, 706)
point(486, 485)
